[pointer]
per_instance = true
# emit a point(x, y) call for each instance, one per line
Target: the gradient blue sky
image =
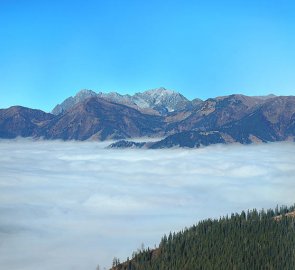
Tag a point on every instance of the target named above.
point(49, 50)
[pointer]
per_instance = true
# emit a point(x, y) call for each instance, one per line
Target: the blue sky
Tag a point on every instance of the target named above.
point(49, 50)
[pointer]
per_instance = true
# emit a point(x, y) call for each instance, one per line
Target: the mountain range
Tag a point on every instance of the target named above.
point(158, 101)
point(156, 113)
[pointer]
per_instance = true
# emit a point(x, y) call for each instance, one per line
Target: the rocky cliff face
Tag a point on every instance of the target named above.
point(161, 100)
point(156, 101)
point(70, 102)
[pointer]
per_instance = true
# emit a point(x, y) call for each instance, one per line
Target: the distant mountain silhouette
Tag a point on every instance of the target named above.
point(157, 113)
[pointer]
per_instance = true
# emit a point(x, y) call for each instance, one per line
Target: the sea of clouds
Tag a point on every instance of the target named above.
point(74, 205)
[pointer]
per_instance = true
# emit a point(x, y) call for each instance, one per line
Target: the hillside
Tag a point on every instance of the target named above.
point(21, 121)
point(249, 240)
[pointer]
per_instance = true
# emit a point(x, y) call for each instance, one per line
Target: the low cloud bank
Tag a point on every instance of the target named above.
point(73, 205)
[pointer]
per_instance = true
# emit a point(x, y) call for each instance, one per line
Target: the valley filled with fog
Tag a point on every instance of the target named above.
point(74, 205)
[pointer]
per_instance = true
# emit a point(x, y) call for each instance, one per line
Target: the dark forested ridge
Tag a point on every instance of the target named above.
point(249, 240)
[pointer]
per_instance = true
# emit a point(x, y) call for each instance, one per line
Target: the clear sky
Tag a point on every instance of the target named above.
point(51, 49)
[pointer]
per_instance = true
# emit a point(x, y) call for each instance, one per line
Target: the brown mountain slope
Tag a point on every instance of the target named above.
point(97, 118)
point(20, 121)
point(273, 121)
point(216, 112)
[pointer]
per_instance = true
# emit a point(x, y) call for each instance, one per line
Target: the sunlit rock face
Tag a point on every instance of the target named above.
point(72, 101)
point(154, 101)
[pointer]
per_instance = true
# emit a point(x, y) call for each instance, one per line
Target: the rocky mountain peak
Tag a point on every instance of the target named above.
point(162, 91)
point(161, 100)
point(158, 101)
point(83, 94)
point(72, 101)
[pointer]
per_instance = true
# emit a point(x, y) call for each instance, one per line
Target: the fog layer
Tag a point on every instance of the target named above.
point(73, 205)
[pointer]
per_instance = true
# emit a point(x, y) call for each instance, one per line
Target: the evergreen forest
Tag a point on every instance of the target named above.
point(249, 240)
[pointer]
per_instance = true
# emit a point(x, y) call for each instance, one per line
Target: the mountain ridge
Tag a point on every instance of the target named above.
point(153, 101)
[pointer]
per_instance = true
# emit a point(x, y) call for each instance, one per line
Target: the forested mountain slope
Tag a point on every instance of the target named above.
point(249, 240)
